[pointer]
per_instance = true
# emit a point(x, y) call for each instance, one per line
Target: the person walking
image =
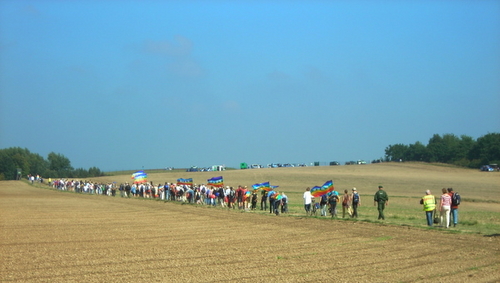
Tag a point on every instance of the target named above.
point(444, 208)
point(263, 200)
point(307, 200)
point(356, 201)
point(254, 200)
point(332, 200)
point(455, 202)
point(271, 196)
point(323, 204)
point(284, 203)
point(346, 204)
point(429, 202)
point(381, 200)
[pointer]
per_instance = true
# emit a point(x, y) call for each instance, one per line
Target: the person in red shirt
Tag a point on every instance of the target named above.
point(454, 209)
point(239, 197)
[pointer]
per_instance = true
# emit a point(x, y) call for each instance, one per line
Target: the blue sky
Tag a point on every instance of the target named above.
point(153, 84)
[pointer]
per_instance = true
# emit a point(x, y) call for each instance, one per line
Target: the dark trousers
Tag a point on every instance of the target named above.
point(354, 210)
point(380, 208)
point(277, 207)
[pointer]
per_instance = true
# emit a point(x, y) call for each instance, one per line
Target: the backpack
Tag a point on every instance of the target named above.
point(455, 199)
point(355, 198)
point(324, 199)
point(333, 199)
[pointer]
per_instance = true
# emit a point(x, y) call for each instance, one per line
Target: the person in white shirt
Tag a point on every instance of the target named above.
point(307, 200)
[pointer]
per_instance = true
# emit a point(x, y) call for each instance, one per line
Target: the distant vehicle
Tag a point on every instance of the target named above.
point(287, 165)
point(333, 163)
point(360, 162)
point(273, 165)
point(243, 165)
point(487, 168)
point(218, 168)
point(255, 166)
point(193, 169)
point(377, 161)
point(350, 163)
point(302, 165)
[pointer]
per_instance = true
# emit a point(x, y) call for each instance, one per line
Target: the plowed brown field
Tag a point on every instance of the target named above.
point(51, 236)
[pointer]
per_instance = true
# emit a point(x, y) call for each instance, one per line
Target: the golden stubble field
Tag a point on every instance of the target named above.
point(51, 236)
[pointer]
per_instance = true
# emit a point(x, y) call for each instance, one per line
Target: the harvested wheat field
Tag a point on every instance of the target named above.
point(53, 236)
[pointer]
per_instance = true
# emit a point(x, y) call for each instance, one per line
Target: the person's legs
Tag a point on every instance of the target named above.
point(381, 206)
point(447, 215)
point(307, 207)
point(454, 216)
point(428, 214)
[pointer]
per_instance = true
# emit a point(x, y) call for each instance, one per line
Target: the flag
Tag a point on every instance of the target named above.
point(319, 191)
point(216, 181)
point(266, 186)
point(182, 181)
point(256, 186)
point(140, 177)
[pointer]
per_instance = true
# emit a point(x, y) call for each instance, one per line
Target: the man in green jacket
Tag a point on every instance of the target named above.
point(382, 199)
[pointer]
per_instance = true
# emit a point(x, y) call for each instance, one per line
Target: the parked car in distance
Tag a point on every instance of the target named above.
point(332, 163)
point(193, 169)
point(489, 168)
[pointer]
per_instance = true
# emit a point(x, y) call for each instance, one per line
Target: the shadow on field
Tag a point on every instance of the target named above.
point(493, 235)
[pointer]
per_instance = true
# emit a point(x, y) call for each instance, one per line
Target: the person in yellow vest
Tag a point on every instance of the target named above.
point(429, 202)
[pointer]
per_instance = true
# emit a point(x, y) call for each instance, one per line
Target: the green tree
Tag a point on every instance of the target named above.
point(95, 172)
point(396, 152)
point(60, 164)
point(440, 148)
point(7, 166)
point(486, 149)
point(417, 152)
point(462, 151)
point(38, 165)
point(57, 165)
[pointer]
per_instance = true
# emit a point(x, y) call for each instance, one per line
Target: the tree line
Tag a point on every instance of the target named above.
point(461, 151)
point(56, 165)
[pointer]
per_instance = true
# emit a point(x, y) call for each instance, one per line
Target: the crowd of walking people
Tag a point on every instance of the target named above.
point(241, 197)
point(447, 208)
point(270, 200)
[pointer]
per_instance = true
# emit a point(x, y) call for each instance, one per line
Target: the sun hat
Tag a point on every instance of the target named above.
point(353, 189)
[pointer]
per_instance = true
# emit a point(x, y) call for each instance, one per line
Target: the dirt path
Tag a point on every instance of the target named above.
point(65, 237)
